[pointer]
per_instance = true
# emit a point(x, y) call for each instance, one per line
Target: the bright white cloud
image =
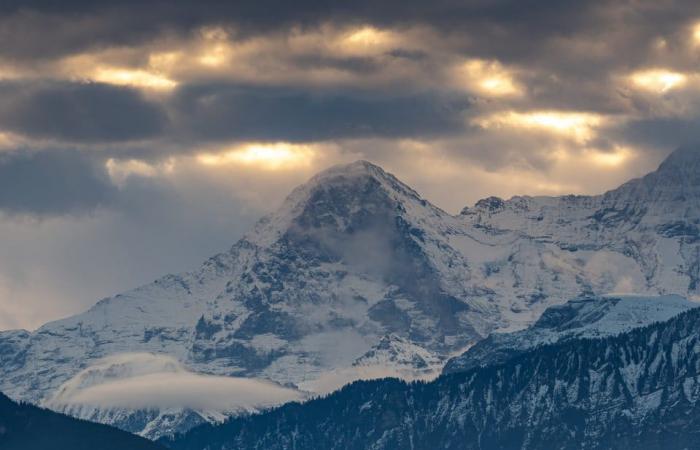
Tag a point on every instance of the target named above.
point(130, 77)
point(658, 80)
point(696, 34)
point(368, 40)
point(272, 156)
point(579, 126)
point(144, 380)
point(488, 78)
point(120, 170)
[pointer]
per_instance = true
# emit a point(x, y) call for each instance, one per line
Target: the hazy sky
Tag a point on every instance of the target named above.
point(138, 138)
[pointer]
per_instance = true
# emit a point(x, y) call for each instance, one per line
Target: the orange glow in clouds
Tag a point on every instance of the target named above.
point(488, 78)
point(276, 156)
point(658, 80)
point(579, 126)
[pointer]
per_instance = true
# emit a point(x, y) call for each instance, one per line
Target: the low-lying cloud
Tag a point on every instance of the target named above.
point(143, 380)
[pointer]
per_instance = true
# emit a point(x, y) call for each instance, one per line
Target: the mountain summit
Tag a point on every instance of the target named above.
point(684, 161)
point(355, 260)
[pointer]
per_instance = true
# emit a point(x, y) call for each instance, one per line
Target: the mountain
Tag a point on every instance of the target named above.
point(355, 268)
point(586, 317)
point(26, 427)
point(640, 389)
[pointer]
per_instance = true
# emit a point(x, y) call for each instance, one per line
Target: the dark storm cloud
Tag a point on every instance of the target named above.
point(87, 112)
point(54, 182)
point(661, 134)
point(256, 113)
point(509, 29)
point(566, 51)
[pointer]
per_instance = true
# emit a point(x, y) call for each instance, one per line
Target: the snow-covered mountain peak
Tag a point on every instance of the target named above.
point(355, 179)
point(345, 198)
point(675, 183)
point(684, 160)
point(356, 271)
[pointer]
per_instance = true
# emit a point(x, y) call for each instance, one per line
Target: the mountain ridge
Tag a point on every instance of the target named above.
point(26, 427)
point(354, 256)
point(639, 389)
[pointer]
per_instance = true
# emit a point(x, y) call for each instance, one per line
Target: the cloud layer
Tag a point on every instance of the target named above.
point(142, 381)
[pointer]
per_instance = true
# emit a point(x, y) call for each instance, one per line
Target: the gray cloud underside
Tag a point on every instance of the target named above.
point(250, 113)
point(52, 182)
point(84, 112)
point(566, 51)
point(511, 30)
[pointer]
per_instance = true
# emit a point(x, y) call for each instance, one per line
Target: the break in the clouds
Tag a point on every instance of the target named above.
point(173, 124)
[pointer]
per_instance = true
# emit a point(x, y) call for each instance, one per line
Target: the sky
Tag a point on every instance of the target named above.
point(139, 138)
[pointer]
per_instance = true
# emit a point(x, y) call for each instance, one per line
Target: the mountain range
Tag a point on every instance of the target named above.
point(639, 389)
point(357, 276)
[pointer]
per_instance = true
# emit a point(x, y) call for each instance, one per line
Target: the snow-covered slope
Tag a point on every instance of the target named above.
point(354, 257)
point(638, 390)
point(587, 317)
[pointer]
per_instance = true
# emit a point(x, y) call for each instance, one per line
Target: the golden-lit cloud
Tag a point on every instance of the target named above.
point(489, 78)
point(215, 49)
point(579, 126)
point(164, 61)
point(367, 40)
point(111, 67)
point(272, 156)
point(439, 169)
point(9, 72)
point(309, 56)
point(602, 159)
point(215, 56)
point(610, 159)
point(658, 80)
point(696, 34)
point(119, 170)
point(127, 77)
point(9, 141)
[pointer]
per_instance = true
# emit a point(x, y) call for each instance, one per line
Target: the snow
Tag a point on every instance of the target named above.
point(590, 317)
point(355, 255)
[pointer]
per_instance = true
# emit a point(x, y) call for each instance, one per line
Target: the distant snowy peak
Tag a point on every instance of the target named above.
point(684, 163)
point(589, 317)
point(332, 197)
point(392, 351)
point(610, 314)
point(675, 181)
point(674, 186)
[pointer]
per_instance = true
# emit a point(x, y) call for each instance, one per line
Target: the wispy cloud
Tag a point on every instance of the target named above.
point(141, 380)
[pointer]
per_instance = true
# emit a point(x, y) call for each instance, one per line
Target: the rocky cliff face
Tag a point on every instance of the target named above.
point(355, 257)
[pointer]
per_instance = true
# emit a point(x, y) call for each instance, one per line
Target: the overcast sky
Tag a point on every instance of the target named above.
point(139, 138)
